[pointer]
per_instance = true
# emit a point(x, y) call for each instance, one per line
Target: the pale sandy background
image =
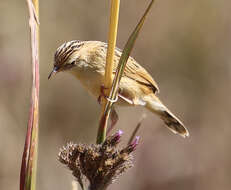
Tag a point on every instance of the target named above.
point(185, 45)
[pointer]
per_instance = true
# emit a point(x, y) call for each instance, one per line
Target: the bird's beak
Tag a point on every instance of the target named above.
point(53, 72)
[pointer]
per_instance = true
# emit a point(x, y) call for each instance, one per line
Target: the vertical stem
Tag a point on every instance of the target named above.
point(30, 154)
point(114, 16)
point(119, 72)
point(34, 155)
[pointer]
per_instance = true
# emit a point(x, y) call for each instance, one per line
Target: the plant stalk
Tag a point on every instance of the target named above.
point(114, 17)
point(30, 154)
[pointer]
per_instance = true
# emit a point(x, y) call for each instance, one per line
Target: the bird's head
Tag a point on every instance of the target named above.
point(66, 56)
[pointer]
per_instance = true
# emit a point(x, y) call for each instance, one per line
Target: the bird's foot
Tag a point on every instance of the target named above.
point(102, 94)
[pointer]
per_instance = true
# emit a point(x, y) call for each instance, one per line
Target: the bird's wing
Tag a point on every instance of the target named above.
point(136, 72)
point(133, 70)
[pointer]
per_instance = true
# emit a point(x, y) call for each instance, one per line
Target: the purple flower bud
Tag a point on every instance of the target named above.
point(120, 132)
point(118, 135)
point(135, 143)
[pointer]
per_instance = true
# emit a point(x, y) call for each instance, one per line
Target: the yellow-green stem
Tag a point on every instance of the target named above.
point(119, 72)
point(114, 16)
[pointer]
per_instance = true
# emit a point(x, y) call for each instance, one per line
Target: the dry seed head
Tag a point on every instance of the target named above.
point(99, 164)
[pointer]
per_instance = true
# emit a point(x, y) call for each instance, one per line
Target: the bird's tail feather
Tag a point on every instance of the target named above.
point(172, 122)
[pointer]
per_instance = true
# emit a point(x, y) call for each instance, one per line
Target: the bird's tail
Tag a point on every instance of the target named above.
point(172, 122)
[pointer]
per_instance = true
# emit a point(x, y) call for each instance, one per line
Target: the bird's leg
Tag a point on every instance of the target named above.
point(102, 94)
point(113, 115)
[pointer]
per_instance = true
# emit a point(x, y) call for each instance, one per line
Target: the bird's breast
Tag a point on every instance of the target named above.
point(90, 78)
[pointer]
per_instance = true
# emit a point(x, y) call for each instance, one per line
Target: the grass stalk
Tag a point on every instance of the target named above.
point(119, 72)
point(30, 153)
point(114, 17)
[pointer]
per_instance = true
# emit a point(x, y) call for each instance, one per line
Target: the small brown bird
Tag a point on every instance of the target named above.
point(86, 61)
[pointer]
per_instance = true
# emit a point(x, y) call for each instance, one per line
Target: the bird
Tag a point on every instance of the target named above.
point(86, 60)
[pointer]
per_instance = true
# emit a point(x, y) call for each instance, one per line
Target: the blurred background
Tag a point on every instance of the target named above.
point(185, 45)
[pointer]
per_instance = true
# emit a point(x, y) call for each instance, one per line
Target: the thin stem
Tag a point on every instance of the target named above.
point(136, 129)
point(114, 16)
point(119, 72)
point(30, 154)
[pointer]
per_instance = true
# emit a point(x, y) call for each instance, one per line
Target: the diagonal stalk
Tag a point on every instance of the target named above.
point(119, 72)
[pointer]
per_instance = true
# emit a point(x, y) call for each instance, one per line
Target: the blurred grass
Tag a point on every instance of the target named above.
point(28, 171)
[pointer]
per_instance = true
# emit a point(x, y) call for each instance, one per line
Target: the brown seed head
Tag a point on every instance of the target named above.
point(100, 164)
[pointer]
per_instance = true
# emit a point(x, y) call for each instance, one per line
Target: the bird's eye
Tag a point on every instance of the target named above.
point(73, 62)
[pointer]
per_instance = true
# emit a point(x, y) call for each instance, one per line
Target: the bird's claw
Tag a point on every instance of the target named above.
point(102, 94)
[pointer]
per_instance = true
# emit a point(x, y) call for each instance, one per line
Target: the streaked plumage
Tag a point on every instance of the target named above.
point(86, 61)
